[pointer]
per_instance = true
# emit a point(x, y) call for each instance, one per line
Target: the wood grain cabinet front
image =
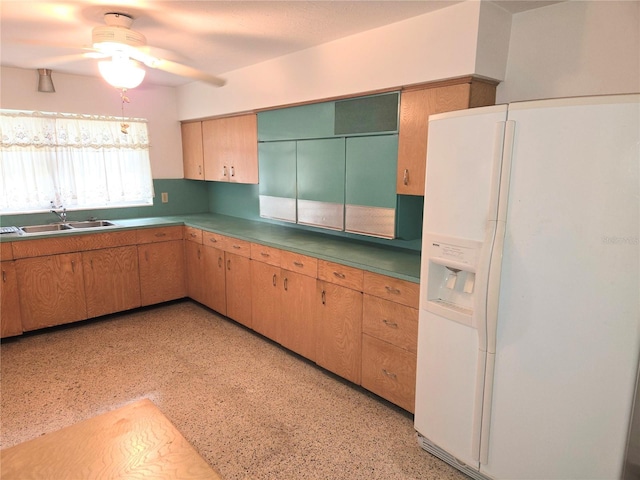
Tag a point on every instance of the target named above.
point(111, 280)
point(162, 271)
point(192, 154)
point(416, 104)
point(51, 290)
point(10, 316)
point(389, 338)
point(230, 148)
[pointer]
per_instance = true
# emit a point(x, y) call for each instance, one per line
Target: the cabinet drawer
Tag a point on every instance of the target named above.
point(193, 234)
point(389, 371)
point(73, 243)
point(234, 245)
point(213, 239)
point(159, 234)
point(296, 262)
point(265, 254)
point(340, 274)
point(394, 323)
point(393, 289)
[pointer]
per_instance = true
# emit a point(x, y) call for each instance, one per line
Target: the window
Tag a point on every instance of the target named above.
point(75, 161)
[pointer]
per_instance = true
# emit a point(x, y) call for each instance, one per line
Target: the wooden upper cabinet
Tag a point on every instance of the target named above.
point(230, 148)
point(192, 153)
point(415, 107)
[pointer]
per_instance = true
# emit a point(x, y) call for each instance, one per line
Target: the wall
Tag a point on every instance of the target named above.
point(572, 49)
point(433, 46)
point(90, 95)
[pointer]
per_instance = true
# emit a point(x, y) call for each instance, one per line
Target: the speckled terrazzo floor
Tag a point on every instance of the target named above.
point(250, 408)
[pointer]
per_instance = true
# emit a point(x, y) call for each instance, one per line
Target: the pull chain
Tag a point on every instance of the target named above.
point(124, 127)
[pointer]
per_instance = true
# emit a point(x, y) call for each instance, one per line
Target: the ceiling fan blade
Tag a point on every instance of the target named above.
point(185, 71)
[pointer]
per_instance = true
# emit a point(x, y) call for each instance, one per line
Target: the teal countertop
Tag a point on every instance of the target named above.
point(398, 263)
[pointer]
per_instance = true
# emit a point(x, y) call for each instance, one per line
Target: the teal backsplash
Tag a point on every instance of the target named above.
point(241, 200)
point(185, 196)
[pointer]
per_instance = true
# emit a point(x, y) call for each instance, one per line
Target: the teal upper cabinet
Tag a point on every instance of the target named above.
point(366, 115)
point(277, 189)
point(321, 176)
point(370, 192)
point(295, 123)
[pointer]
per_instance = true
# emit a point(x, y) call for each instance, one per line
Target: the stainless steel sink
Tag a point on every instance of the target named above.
point(54, 227)
point(90, 224)
point(60, 227)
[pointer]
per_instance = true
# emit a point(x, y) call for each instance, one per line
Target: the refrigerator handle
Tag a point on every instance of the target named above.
point(495, 263)
point(493, 288)
point(482, 279)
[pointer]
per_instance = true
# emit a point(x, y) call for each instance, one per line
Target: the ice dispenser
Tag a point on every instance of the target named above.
point(451, 278)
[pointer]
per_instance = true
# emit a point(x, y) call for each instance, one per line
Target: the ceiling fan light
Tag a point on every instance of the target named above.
point(121, 74)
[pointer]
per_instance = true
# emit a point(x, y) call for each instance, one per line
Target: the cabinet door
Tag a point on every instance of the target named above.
point(162, 271)
point(297, 327)
point(320, 182)
point(339, 330)
point(266, 303)
point(192, 156)
point(238, 277)
point(10, 317)
point(51, 290)
point(215, 296)
point(301, 122)
point(195, 274)
point(415, 108)
point(277, 189)
point(111, 280)
point(230, 147)
point(370, 185)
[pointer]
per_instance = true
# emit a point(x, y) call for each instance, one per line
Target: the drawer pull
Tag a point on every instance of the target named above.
point(286, 284)
point(192, 235)
point(237, 247)
point(4, 276)
point(160, 235)
point(233, 171)
point(264, 254)
point(389, 323)
point(405, 177)
point(224, 171)
point(219, 262)
point(324, 297)
point(213, 240)
point(339, 275)
point(198, 254)
point(298, 264)
point(389, 374)
point(228, 264)
point(392, 290)
point(274, 279)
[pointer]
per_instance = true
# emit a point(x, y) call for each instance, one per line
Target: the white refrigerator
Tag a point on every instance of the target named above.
point(529, 326)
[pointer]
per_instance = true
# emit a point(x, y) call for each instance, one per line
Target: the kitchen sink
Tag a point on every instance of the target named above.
point(90, 224)
point(60, 227)
point(54, 227)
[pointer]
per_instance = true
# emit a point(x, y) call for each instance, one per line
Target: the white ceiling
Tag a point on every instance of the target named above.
point(213, 36)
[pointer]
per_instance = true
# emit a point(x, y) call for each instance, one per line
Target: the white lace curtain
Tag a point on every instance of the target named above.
point(75, 161)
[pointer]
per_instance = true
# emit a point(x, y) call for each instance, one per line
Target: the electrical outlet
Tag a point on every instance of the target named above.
point(165, 197)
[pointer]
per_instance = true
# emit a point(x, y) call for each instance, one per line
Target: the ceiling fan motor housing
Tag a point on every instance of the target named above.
point(117, 31)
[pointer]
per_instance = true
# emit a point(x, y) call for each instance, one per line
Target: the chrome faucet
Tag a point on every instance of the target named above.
point(61, 215)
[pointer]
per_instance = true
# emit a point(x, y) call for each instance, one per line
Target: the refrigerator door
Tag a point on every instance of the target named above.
point(568, 334)
point(463, 164)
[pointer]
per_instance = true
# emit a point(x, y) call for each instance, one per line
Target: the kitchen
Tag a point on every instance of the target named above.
point(604, 61)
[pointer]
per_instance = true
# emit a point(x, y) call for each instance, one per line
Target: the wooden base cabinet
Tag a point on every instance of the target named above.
point(390, 338)
point(111, 280)
point(10, 316)
point(51, 290)
point(266, 299)
point(162, 265)
point(238, 285)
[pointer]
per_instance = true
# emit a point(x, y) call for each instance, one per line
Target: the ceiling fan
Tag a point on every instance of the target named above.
point(128, 51)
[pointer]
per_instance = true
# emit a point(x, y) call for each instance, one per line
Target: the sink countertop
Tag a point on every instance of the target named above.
point(395, 262)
